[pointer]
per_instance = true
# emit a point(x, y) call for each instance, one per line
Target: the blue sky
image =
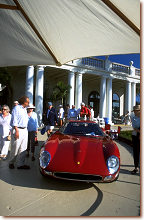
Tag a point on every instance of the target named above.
point(125, 59)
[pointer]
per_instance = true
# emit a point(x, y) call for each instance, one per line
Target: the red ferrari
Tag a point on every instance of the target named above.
point(80, 151)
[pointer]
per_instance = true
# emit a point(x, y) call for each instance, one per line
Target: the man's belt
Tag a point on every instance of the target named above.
point(22, 127)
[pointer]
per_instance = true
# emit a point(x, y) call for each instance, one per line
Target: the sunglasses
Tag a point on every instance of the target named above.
point(4, 109)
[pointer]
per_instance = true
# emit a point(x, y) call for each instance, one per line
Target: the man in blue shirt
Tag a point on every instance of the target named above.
point(19, 122)
point(72, 114)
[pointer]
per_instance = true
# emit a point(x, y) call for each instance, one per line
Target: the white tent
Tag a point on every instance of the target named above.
point(57, 31)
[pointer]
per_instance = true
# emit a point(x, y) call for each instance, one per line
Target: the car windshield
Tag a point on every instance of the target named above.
point(82, 128)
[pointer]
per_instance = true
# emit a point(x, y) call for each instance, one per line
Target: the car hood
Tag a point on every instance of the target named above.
point(79, 154)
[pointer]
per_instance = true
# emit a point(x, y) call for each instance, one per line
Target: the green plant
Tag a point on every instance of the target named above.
point(126, 134)
point(5, 76)
point(60, 92)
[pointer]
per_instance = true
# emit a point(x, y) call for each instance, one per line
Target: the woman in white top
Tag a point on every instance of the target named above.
point(61, 114)
point(5, 128)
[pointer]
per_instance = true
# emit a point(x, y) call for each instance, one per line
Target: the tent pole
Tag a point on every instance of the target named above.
point(121, 15)
point(11, 7)
point(36, 31)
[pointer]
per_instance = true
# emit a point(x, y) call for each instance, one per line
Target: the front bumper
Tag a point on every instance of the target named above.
point(80, 177)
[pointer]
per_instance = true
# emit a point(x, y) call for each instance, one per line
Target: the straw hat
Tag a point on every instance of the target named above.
point(31, 106)
point(136, 108)
point(16, 102)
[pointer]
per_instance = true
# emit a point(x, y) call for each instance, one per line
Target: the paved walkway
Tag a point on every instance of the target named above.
point(27, 193)
point(124, 127)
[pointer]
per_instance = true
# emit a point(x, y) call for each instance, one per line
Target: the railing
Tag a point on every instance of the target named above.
point(137, 72)
point(100, 64)
point(91, 61)
point(120, 68)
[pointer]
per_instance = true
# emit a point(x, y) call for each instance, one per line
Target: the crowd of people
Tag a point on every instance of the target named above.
point(21, 128)
point(61, 116)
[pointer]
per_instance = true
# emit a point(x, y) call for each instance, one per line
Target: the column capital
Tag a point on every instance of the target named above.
point(71, 72)
point(129, 81)
point(104, 77)
point(110, 77)
point(30, 66)
point(41, 67)
point(79, 73)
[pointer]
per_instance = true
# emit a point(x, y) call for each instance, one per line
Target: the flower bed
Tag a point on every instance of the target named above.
point(126, 136)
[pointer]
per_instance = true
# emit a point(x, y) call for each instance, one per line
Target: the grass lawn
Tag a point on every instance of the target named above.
point(126, 135)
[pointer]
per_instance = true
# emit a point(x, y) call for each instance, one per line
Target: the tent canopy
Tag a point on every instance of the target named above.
point(50, 32)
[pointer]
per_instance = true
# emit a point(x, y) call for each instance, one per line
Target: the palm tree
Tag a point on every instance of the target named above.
point(6, 91)
point(60, 92)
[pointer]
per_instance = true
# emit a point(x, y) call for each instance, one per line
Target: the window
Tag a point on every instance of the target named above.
point(115, 106)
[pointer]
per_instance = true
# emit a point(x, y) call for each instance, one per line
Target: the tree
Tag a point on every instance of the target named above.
point(60, 92)
point(5, 76)
point(5, 81)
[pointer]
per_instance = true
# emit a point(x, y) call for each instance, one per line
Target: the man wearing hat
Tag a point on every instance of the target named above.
point(51, 119)
point(136, 137)
point(16, 103)
point(32, 129)
point(83, 111)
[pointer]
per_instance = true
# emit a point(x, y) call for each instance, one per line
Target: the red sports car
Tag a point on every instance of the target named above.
point(80, 151)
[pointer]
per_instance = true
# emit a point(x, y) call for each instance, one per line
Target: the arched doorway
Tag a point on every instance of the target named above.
point(94, 100)
point(115, 106)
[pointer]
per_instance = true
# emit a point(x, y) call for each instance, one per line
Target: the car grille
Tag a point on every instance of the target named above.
point(78, 177)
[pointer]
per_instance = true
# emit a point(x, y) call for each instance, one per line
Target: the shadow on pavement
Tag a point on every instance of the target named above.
point(33, 179)
point(126, 146)
point(97, 202)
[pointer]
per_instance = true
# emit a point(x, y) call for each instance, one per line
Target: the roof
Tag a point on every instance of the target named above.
point(55, 32)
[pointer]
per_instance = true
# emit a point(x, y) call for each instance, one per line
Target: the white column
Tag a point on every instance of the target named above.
point(29, 83)
point(128, 97)
point(102, 97)
point(109, 99)
point(71, 82)
point(133, 89)
point(39, 92)
point(78, 97)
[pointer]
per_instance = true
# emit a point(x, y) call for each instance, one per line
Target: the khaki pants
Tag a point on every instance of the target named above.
point(18, 147)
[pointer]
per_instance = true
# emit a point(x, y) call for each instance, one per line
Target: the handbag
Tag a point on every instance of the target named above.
point(9, 138)
point(43, 130)
point(36, 141)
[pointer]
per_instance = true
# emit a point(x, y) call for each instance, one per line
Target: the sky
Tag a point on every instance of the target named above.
point(125, 59)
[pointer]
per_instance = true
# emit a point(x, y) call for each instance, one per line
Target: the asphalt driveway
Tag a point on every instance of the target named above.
point(27, 193)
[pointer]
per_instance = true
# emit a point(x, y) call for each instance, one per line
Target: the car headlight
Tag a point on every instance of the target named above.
point(113, 164)
point(44, 159)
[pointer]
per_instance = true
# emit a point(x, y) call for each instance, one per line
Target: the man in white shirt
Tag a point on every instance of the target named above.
point(61, 114)
point(19, 123)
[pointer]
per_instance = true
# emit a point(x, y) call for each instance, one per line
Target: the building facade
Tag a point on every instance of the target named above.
point(110, 88)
